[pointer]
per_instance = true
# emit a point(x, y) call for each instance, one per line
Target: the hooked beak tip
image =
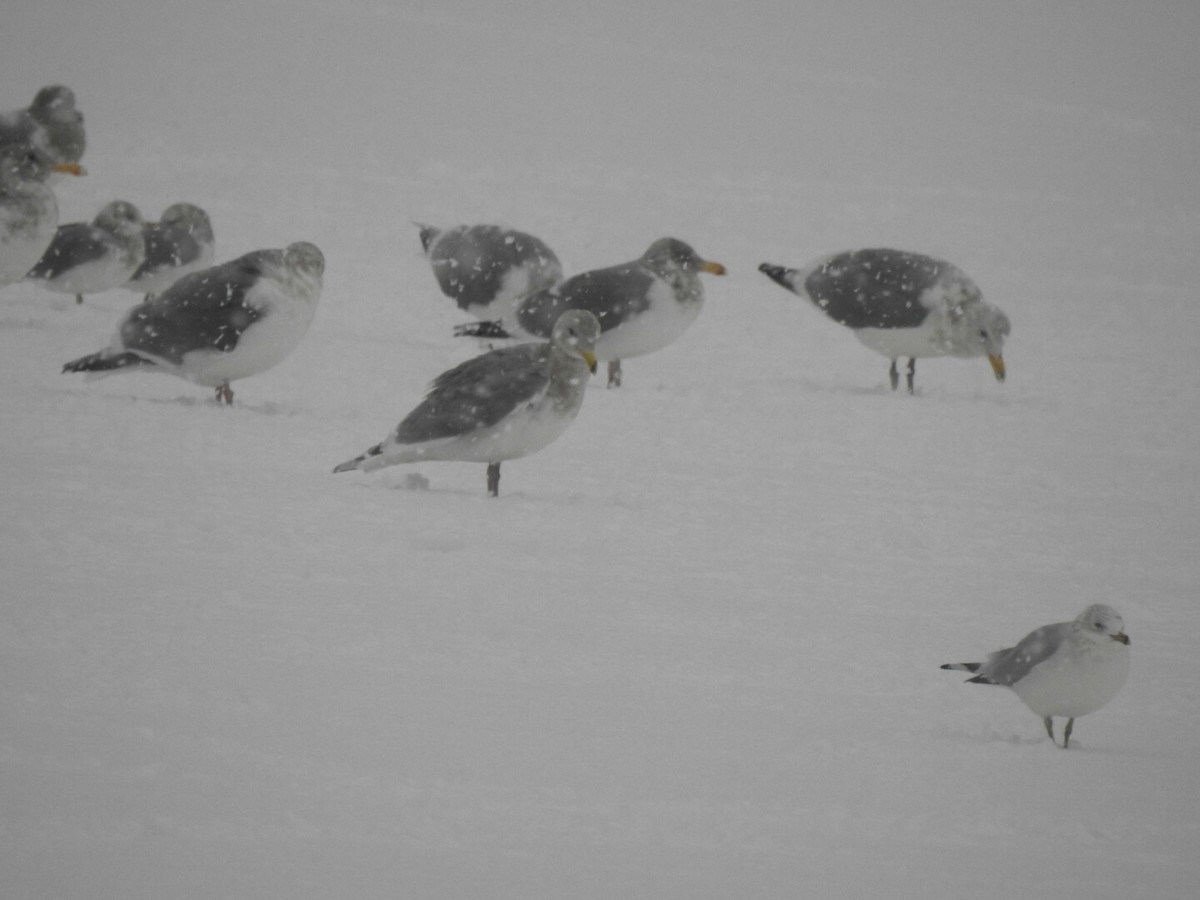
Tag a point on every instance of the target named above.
point(997, 362)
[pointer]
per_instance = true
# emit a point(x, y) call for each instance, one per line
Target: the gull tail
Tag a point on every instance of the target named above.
point(481, 330)
point(970, 667)
point(105, 362)
point(351, 464)
point(428, 234)
point(781, 275)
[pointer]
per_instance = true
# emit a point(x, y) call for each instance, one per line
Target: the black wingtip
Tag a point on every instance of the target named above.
point(481, 330)
point(962, 667)
point(99, 362)
point(778, 274)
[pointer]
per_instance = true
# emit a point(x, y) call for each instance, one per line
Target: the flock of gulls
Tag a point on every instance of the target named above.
point(216, 323)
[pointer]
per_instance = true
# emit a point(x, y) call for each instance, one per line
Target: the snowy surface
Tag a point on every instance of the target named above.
point(692, 650)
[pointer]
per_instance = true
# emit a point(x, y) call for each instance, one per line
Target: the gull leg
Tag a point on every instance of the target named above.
point(614, 373)
point(225, 394)
point(912, 373)
point(894, 375)
point(493, 479)
point(1049, 723)
point(1067, 733)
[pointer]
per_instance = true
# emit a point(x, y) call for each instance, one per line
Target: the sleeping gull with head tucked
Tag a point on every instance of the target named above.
point(642, 305)
point(901, 304)
point(93, 257)
point(179, 243)
point(505, 404)
point(219, 324)
point(1068, 669)
point(486, 269)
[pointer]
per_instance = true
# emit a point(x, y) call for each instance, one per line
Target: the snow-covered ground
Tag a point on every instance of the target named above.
point(692, 650)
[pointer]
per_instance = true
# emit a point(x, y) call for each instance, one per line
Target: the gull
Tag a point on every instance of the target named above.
point(28, 208)
point(901, 304)
point(642, 305)
point(504, 404)
point(486, 269)
point(51, 123)
point(179, 243)
point(220, 324)
point(92, 257)
point(1068, 669)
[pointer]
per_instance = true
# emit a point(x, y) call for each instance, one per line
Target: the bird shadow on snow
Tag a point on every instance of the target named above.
point(936, 393)
point(30, 322)
point(418, 483)
point(266, 407)
point(988, 737)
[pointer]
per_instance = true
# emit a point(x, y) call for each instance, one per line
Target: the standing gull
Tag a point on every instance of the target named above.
point(486, 269)
point(1067, 669)
point(505, 404)
point(902, 304)
point(51, 123)
point(220, 324)
point(642, 305)
point(28, 208)
point(92, 257)
point(179, 243)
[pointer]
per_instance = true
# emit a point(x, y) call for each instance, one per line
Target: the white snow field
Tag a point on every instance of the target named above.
point(692, 649)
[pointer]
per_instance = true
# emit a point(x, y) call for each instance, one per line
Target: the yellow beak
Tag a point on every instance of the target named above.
point(590, 358)
point(69, 168)
point(713, 268)
point(997, 362)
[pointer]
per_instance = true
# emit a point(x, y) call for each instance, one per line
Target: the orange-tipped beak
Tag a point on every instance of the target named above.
point(590, 359)
point(69, 168)
point(713, 268)
point(997, 362)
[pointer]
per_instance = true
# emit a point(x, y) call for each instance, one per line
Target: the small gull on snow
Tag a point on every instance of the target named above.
point(1068, 669)
point(220, 324)
point(486, 269)
point(642, 305)
point(28, 208)
point(505, 404)
point(179, 243)
point(93, 257)
point(901, 304)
